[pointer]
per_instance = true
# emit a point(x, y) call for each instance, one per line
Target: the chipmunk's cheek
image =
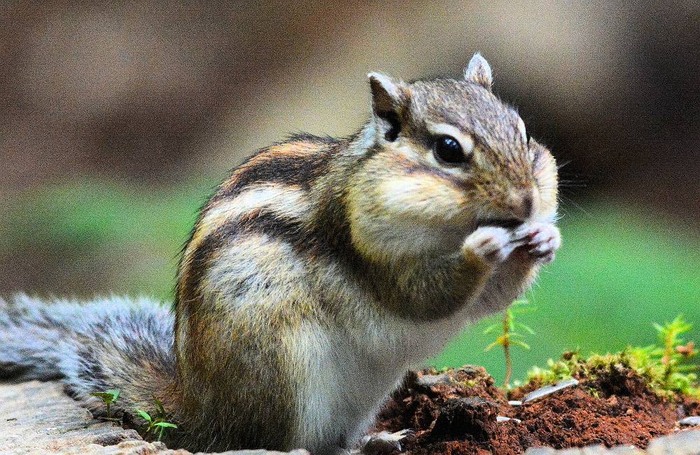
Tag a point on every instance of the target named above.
point(422, 198)
point(405, 215)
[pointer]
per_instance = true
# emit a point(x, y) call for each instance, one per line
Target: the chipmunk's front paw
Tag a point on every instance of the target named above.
point(491, 243)
point(542, 240)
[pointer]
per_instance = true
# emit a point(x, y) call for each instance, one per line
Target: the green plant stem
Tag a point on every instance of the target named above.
point(506, 348)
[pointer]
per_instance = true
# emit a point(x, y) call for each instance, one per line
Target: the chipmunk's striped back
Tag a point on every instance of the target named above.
point(268, 194)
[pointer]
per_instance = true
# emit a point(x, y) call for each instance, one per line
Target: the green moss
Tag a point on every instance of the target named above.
point(663, 366)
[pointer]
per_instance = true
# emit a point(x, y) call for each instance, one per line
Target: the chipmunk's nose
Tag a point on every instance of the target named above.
point(522, 204)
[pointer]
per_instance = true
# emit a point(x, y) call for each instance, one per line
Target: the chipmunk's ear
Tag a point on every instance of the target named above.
point(479, 71)
point(388, 98)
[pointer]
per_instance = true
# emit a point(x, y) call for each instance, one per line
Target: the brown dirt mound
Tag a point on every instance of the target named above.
point(456, 412)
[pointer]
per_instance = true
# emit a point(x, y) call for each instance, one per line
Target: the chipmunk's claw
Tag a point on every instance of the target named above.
point(542, 240)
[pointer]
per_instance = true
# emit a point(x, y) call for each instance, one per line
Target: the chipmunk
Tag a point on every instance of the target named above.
point(318, 274)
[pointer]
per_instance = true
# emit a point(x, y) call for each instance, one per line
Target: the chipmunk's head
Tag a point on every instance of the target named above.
point(442, 158)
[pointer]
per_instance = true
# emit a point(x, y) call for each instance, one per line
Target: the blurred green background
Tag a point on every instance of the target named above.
point(119, 120)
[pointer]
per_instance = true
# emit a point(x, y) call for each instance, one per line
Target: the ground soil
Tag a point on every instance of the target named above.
point(457, 412)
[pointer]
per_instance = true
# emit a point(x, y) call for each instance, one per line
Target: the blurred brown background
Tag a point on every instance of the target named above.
point(155, 96)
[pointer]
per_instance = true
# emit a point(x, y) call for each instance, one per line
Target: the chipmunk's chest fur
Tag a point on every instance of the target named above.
point(350, 368)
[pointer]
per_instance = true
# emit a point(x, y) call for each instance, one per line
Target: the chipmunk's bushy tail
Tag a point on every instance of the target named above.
point(107, 343)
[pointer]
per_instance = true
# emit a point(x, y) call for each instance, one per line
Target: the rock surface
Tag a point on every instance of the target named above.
point(39, 418)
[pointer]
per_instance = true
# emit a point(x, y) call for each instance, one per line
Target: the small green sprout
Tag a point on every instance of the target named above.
point(509, 336)
point(157, 424)
point(675, 352)
point(108, 397)
point(671, 356)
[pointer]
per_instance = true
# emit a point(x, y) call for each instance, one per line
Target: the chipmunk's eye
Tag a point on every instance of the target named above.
point(447, 150)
